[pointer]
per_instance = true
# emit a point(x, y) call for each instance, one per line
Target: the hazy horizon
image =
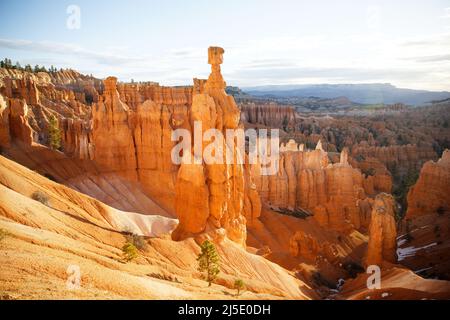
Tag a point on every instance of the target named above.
point(405, 43)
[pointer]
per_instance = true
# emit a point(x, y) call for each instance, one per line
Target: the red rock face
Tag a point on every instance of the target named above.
point(18, 125)
point(270, 114)
point(334, 193)
point(22, 88)
point(431, 192)
point(220, 190)
point(382, 232)
point(135, 94)
point(425, 240)
point(397, 158)
point(5, 138)
point(136, 141)
point(378, 178)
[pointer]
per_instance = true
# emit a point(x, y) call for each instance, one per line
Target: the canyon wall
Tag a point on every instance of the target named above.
point(431, 192)
point(126, 130)
point(424, 245)
point(334, 193)
point(270, 114)
point(397, 159)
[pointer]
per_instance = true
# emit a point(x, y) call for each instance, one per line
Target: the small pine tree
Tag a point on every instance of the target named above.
point(130, 251)
point(208, 261)
point(239, 285)
point(54, 134)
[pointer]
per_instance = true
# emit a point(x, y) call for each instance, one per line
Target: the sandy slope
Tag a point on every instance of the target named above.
point(87, 177)
point(42, 241)
point(396, 284)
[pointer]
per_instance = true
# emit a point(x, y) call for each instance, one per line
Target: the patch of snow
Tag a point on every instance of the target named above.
point(334, 291)
point(421, 270)
point(404, 253)
point(340, 284)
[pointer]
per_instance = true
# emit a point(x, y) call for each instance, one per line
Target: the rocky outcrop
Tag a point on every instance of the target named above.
point(213, 193)
point(378, 178)
point(136, 141)
point(24, 88)
point(5, 137)
point(431, 192)
point(114, 146)
point(270, 114)
point(424, 245)
point(382, 232)
point(18, 122)
point(306, 180)
point(397, 159)
point(134, 94)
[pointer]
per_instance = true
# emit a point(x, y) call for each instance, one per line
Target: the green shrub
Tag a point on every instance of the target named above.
point(239, 285)
point(137, 240)
point(208, 261)
point(54, 133)
point(41, 197)
point(130, 252)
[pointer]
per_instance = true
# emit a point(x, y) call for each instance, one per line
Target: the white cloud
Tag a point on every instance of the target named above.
point(66, 49)
point(447, 13)
point(420, 62)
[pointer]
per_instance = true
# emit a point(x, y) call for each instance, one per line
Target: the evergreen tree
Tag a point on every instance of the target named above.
point(130, 252)
point(239, 285)
point(208, 261)
point(54, 134)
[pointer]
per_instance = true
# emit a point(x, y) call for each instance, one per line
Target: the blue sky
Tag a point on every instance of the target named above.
point(406, 43)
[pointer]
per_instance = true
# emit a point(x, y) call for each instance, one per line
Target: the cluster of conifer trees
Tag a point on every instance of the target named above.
point(8, 64)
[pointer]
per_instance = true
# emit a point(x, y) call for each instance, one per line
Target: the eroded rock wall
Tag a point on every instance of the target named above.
point(382, 232)
point(333, 193)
